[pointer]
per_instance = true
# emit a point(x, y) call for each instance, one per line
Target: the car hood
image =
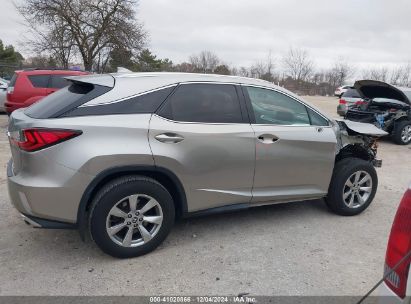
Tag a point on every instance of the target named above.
point(377, 89)
point(363, 128)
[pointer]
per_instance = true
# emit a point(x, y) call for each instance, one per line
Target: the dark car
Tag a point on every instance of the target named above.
point(29, 86)
point(385, 106)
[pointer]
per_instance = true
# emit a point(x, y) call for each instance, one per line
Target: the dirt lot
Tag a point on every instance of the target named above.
point(290, 249)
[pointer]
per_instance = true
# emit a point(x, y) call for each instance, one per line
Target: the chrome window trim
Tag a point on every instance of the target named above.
point(292, 97)
point(201, 123)
point(128, 97)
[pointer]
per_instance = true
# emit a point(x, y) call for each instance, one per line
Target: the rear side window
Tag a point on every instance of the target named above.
point(64, 100)
point(58, 81)
point(207, 103)
point(351, 93)
point(13, 80)
point(39, 81)
point(145, 103)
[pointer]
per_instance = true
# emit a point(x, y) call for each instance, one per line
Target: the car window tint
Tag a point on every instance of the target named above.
point(352, 93)
point(316, 119)
point(271, 107)
point(209, 103)
point(39, 81)
point(58, 81)
point(145, 103)
point(13, 80)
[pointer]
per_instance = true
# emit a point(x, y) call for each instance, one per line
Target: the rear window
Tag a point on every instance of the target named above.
point(65, 100)
point(39, 81)
point(58, 81)
point(13, 80)
point(351, 93)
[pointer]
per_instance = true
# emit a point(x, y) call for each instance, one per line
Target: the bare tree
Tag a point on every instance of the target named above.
point(380, 74)
point(94, 27)
point(205, 62)
point(400, 75)
point(298, 64)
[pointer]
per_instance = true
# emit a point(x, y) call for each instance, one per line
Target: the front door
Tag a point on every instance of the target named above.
point(295, 147)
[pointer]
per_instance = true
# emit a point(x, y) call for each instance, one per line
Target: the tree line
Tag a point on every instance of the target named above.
point(103, 35)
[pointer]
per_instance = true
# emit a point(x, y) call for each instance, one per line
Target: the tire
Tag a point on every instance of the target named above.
point(344, 170)
point(112, 207)
point(398, 133)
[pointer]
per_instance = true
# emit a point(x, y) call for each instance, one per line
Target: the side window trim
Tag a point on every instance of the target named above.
point(240, 99)
point(251, 111)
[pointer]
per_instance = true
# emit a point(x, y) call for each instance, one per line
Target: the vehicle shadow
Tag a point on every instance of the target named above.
point(58, 243)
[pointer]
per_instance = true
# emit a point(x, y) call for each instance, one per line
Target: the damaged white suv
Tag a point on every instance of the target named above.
point(124, 154)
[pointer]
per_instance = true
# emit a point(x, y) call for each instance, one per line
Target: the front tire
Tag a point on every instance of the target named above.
point(353, 186)
point(131, 216)
point(402, 132)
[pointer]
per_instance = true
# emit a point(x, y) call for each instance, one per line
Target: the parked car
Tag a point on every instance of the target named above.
point(386, 106)
point(4, 82)
point(3, 95)
point(124, 154)
point(397, 282)
point(348, 99)
point(341, 90)
point(29, 86)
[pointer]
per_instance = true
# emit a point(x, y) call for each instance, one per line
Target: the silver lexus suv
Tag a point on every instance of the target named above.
point(123, 155)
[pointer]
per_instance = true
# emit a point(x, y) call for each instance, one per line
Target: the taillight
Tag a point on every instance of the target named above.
point(360, 102)
point(342, 101)
point(39, 138)
point(399, 245)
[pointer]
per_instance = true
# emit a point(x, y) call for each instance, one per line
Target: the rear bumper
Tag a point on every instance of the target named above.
point(342, 110)
point(49, 201)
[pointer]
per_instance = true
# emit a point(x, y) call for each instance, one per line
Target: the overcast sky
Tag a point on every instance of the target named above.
point(365, 32)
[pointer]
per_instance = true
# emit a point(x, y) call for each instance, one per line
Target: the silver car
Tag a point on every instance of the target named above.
point(348, 99)
point(123, 155)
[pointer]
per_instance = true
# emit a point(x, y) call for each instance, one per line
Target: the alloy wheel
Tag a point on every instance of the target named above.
point(134, 220)
point(357, 189)
point(406, 134)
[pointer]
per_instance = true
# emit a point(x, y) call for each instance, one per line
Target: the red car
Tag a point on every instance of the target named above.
point(29, 86)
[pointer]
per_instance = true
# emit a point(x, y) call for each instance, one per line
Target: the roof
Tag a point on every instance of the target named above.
point(183, 77)
point(51, 72)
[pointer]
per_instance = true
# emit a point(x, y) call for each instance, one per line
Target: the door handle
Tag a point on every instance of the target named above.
point(267, 138)
point(169, 138)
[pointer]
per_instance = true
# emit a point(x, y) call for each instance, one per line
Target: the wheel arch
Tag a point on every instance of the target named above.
point(164, 176)
point(354, 151)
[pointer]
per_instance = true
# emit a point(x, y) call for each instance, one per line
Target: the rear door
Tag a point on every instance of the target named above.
point(202, 135)
point(295, 147)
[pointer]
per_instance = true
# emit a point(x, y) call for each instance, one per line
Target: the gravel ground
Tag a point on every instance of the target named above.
point(290, 249)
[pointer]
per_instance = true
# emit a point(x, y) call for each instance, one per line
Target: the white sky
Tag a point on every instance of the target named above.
point(365, 32)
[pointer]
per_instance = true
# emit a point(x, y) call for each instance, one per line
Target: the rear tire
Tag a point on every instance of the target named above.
point(131, 216)
point(353, 186)
point(402, 132)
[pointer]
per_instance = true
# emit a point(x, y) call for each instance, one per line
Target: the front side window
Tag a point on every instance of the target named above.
point(207, 103)
point(39, 81)
point(271, 107)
